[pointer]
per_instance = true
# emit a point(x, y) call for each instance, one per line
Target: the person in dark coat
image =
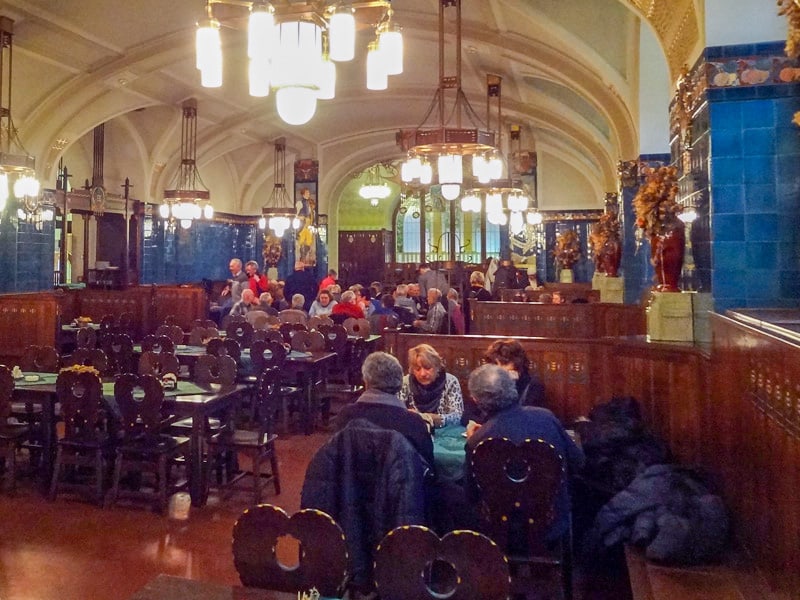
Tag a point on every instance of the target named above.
point(379, 404)
point(496, 395)
point(302, 281)
point(510, 355)
point(477, 293)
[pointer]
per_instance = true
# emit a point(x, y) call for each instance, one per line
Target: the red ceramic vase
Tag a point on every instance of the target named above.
point(666, 256)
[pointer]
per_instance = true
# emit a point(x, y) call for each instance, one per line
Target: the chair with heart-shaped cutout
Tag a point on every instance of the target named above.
point(86, 337)
point(308, 341)
point(200, 335)
point(412, 562)
point(241, 331)
point(321, 561)
point(519, 487)
point(12, 432)
point(272, 355)
point(173, 332)
point(209, 369)
point(90, 357)
point(158, 343)
point(144, 447)
point(158, 364)
point(119, 351)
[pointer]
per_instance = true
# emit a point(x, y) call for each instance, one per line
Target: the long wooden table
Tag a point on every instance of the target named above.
point(167, 587)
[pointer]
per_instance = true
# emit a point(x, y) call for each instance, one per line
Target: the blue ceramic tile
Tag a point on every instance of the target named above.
point(760, 198)
point(788, 254)
point(725, 115)
point(787, 167)
point(761, 227)
point(728, 283)
point(726, 142)
point(789, 283)
point(728, 228)
point(758, 113)
point(723, 304)
point(784, 111)
point(726, 171)
point(758, 141)
point(759, 169)
point(761, 284)
point(762, 255)
point(729, 256)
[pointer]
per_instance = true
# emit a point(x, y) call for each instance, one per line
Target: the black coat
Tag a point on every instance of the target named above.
point(301, 282)
point(370, 480)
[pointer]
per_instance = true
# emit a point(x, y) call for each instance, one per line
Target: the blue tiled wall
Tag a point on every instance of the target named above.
point(26, 254)
point(755, 196)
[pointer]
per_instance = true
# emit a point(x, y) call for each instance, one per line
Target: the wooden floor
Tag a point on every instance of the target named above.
point(72, 550)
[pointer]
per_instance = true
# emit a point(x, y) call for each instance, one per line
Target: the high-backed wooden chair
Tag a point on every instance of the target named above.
point(359, 327)
point(173, 332)
point(258, 319)
point(86, 337)
point(126, 323)
point(322, 562)
point(257, 442)
point(308, 341)
point(158, 364)
point(118, 348)
point(406, 566)
point(161, 343)
point(43, 359)
point(12, 434)
point(200, 335)
point(273, 335)
point(209, 369)
point(317, 320)
point(519, 486)
point(287, 331)
point(241, 331)
point(86, 442)
point(227, 347)
point(90, 357)
point(144, 447)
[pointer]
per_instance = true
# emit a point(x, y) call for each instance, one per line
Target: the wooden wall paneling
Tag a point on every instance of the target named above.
point(185, 303)
point(26, 319)
point(97, 303)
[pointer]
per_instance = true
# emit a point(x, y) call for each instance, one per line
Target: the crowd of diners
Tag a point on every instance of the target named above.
point(429, 305)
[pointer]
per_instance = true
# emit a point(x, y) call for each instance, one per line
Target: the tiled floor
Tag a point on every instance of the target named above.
point(71, 550)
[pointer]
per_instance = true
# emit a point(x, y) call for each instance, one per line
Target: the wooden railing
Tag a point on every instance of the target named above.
point(557, 320)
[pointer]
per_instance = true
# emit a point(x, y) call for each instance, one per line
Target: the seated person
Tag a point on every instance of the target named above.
point(246, 304)
point(265, 304)
point(295, 314)
point(510, 355)
point(436, 320)
point(347, 306)
point(379, 404)
point(323, 305)
point(402, 300)
point(277, 288)
point(496, 395)
point(455, 312)
point(430, 390)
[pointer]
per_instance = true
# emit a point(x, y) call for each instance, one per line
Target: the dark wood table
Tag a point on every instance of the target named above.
point(308, 370)
point(167, 587)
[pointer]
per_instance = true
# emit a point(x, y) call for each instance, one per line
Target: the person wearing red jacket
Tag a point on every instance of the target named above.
point(257, 282)
point(347, 306)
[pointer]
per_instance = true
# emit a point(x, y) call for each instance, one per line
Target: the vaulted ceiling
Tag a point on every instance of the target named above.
point(570, 78)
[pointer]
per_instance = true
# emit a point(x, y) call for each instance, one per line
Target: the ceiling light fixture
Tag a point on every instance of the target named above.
point(375, 187)
point(187, 200)
point(443, 148)
point(292, 47)
point(17, 167)
point(278, 213)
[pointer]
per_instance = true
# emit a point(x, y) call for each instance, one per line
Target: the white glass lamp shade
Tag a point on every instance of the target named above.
point(342, 31)
point(163, 211)
point(410, 169)
point(480, 168)
point(3, 190)
point(494, 203)
point(259, 77)
point(688, 215)
point(377, 78)
point(425, 173)
point(495, 163)
point(327, 87)
point(186, 223)
point(450, 191)
point(22, 215)
point(533, 217)
point(374, 202)
point(450, 168)
point(517, 202)
point(208, 211)
point(48, 214)
point(497, 218)
point(296, 105)
point(209, 54)
point(471, 203)
point(260, 32)
point(516, 223)
point(279, 225)
point(298, 55)
point(390, 44)
point(26, 185)
point(262, 223)
point(296, 223)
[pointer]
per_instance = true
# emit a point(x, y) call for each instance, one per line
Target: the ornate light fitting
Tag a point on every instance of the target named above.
point(16, 167)
point(292, 47)
point(187, 200)
point(447, 146)
point(278, 213)
point(375, 188)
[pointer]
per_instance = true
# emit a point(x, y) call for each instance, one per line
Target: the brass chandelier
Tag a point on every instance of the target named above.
point(292, 47)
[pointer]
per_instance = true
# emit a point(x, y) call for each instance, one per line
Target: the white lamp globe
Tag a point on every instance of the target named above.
point(296, 105)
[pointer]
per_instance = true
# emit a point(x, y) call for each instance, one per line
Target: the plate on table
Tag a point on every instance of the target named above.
point(31, 378)
point(181, 346)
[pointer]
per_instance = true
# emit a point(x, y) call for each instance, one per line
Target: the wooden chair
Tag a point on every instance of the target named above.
point(118, 348)
point(107, 324)
point(273, 335)
point(257, 443)
point(226, 347)
point(406, 566)
point(378, 323)
point(144, 448)
point(272, 355)
point(158, 364)
point(43, 359)
point(258, 319)
point(173, 332)
point(126, 323)
point(161, 343)
point(293, 315)
point(198, 335)
point(322, 561)
point(86, 337)
point(315, 322)
point(86, 441)
point(308, 341)
point(220, 370)
point(207, 323)
point(519, 486)
point(11, 434)
point(241, 331)
point(287, 331)
point(90, 357)
point(358, 327)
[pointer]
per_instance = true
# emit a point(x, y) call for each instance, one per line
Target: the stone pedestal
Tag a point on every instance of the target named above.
point(566, 276)
point(612, 289)
point(670, 317)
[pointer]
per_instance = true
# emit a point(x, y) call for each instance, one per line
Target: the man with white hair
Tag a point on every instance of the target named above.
point(436, 319)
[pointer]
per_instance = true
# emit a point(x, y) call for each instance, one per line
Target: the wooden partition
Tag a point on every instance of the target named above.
point(575, 321)
point(97, 303)
point(186, 303)
point(751, 434)
point(569, 292)
point(26, 319)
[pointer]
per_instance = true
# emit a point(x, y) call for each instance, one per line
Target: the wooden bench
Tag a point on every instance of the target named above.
point(735, 579)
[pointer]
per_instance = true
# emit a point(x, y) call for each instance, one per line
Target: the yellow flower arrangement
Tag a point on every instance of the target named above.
point(80, 369)
point(605, 230)
point(656, 209)
point(567, 250)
